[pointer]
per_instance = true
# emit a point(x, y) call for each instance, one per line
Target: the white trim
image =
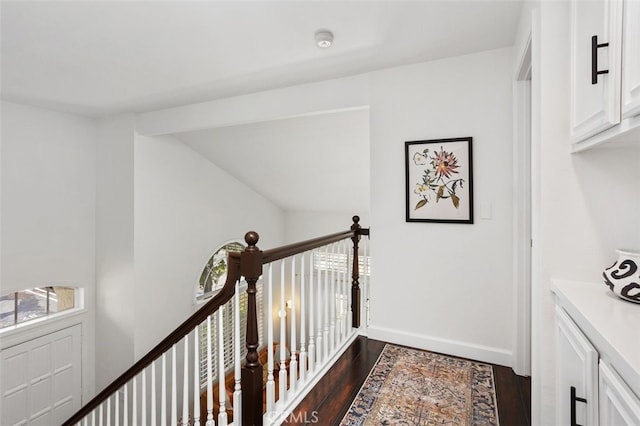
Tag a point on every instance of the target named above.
point(623, 135)
point(32, 329)
point(523, 71)
point(444, 346)
point(537, 349)
point(522, 215)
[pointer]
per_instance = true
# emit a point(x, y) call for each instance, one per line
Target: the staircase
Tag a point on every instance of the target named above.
point(312, 303)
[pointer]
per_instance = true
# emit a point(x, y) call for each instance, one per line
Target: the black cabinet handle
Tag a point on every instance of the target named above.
point(594, 59)
point(574, 398)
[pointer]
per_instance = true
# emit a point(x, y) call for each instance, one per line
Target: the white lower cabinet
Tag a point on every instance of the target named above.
point(597, 357)
point(577, 375)
point(618, 405)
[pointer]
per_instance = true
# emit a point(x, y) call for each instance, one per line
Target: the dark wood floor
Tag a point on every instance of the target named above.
point(329, 401)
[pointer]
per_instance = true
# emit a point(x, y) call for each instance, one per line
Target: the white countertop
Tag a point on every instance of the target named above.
point(611, 324)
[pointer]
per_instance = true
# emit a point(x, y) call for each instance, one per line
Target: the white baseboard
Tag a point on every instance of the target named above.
point(444, 346)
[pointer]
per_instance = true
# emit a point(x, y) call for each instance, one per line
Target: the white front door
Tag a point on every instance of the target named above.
point(41, 379)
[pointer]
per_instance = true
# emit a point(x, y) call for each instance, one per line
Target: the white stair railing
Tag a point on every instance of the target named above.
point(193, 377)
point(312, 291)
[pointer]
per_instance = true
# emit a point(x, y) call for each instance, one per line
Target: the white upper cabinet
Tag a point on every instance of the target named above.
point(631, 60)
point(605, 72)
point(595, 67)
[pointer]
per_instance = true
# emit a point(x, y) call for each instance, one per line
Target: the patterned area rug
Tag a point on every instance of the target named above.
point(413, 387)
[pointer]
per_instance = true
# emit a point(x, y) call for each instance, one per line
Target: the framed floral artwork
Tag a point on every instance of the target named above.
point(439, 180)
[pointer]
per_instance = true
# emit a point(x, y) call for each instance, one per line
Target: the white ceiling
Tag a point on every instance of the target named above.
point(314, 163)
point(98, 58)
point(103, 57)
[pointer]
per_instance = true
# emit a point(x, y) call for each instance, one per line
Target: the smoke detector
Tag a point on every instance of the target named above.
point(324, 38)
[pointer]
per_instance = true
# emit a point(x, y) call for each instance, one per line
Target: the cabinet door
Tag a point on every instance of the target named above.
point(631, 60)
point(618, 405)
point(595, 107)
point(576, 374)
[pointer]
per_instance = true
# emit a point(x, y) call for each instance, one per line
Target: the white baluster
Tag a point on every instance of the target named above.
point(303, 324)
point(117, 409)
point(101, 415)
point(341, 280)
point(293, 363)
point(325, 301)
point(222, 390)
point(237, 390)
point(345, 285)
point(163, 392)
point(367, 279)
point(185, 382)
point(312, 331)
point(134, 402)
point(196, 376)
point(283, 332)
point(332, 300)
point(86, 421)
point(109, 409)
point(319, 340)
point(337, 297)
point(271, 384)
point(93, 418)
point(174, 391)
point(209, 376)
point(154, 409)
point(143, 394)
point(125, 409)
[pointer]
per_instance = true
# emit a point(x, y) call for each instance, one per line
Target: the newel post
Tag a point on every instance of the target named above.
point(355, 276)
point(251, 270)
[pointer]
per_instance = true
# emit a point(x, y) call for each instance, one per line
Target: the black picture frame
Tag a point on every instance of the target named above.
point(439, 180)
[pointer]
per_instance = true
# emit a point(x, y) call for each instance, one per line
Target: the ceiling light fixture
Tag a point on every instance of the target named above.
point(324, 38)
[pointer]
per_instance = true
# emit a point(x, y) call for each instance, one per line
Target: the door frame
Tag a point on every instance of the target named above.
point(522, 223)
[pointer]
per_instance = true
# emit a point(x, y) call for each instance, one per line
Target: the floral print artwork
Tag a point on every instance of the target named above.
point(439, 180)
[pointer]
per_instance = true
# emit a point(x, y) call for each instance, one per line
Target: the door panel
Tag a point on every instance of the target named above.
point(618, 405)
point(595, 107)
point(577, 367)
point(631, 58)
point(41, 379)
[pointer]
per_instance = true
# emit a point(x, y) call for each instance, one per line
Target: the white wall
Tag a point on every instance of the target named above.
point(48, 207)
point(185, 207)
point(444, 287)
point(114, 248)
point(440, 286)
point(48, 198)
point(589, 202)
point(304, 225)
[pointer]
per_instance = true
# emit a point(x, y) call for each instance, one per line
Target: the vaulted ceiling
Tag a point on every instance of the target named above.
point(315, 163)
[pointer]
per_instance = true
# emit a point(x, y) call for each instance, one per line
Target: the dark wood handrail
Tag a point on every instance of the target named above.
point(303, 246)
point(246, 264)
point(223, 296)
